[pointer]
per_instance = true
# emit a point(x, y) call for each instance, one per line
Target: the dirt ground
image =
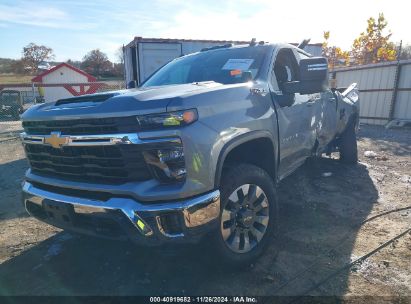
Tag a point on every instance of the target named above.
point(321, 232)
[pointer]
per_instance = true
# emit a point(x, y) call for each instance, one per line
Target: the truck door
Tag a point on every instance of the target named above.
point(294, 112)
point(323, 111)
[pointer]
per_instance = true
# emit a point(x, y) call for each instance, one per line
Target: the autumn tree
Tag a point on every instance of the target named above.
point(373, 45)
point(96, 63)
point(335, 55)
point(34, 54)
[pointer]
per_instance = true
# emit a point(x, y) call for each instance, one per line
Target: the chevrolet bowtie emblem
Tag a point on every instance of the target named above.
point(55, 140)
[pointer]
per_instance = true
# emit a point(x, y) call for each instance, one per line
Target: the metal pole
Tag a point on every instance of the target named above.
point(137, 63)
point(124, 68)
point(32, 91)
point(399, 51)
point(396, 83)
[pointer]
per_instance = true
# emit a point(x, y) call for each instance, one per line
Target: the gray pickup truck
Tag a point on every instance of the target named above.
point(195, 153)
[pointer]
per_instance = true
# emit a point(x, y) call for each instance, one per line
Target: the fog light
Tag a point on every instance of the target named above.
point(142, 226)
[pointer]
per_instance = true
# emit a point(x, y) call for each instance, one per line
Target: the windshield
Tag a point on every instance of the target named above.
point(225, 66)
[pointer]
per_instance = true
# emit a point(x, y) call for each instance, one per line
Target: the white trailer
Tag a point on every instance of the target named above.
point(144, 56)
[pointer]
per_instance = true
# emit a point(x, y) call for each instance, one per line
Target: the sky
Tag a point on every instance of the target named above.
point(74, 27)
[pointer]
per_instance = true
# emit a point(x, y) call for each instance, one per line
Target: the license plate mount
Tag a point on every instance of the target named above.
point(59, 212)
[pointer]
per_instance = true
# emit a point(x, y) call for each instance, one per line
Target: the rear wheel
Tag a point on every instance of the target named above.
point(249, 215)
point(348, 145)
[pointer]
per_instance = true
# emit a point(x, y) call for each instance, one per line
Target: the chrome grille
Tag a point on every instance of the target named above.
point(102, 164)
point(91, 126)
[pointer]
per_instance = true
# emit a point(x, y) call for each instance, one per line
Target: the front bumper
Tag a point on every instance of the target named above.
point(125, 218)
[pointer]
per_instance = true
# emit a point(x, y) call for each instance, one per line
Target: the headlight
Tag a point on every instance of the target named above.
point(167, 120)
point(167, 163)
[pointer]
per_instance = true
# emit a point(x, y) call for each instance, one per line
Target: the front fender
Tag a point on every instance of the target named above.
point(237, 141)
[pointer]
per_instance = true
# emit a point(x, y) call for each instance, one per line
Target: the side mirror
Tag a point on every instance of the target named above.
point(313, 77)
point(132, 84)
point(39, 100)
point(314, 69)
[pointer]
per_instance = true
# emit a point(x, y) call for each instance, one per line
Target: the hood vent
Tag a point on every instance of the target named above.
point(85, 98)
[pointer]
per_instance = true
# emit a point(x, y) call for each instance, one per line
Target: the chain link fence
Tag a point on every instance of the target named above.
point(17, 98)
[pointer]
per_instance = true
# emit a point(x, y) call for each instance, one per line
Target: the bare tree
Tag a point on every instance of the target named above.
point(74, 63)
point(34, 54)
point(119, 67)
point(96, 62)
point(406, 52)
point(120, 55)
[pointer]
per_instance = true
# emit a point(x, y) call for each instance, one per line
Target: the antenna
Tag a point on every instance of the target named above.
point(304, 43)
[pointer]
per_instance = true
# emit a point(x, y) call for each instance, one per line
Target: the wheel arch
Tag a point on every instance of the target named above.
point(236, 144)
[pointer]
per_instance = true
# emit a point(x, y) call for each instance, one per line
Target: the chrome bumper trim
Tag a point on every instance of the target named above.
point(196, 211)
point(90, 140)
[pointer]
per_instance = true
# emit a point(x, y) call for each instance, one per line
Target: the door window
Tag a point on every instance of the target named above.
point(285, 68)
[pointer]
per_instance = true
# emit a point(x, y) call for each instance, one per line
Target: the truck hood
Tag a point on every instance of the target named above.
point(118, 103)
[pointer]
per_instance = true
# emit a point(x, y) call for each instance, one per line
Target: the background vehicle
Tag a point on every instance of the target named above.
point(195, 152)
point(11, 104)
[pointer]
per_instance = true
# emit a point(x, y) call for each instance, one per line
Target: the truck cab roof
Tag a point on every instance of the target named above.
point(255, 45)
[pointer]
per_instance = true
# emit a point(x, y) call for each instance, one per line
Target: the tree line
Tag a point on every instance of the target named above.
point(34, 56)
point(372, 46)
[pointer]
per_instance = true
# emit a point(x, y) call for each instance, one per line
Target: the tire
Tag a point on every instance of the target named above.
point(226, 247)
point(15, 113)
point(348, 146)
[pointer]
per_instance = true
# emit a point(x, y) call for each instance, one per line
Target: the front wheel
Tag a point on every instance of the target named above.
point(249, 214)
point(15, 113)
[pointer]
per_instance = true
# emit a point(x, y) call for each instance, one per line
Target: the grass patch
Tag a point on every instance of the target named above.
point(12, 79)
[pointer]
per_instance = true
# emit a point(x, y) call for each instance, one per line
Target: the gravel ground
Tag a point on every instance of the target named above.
point(8, 128)
point(321, 220)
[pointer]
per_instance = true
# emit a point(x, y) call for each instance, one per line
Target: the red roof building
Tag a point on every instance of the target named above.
point(64, 81)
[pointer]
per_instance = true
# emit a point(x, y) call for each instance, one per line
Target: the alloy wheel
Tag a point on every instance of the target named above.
point(245, 218)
